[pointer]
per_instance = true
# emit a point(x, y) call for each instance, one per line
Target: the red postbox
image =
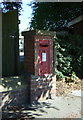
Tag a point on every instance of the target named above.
point(44, 57)
point(38, 48)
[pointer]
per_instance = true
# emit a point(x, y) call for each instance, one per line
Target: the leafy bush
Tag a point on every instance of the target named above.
point(73, 76)
point(69, 54)
point(59, 75)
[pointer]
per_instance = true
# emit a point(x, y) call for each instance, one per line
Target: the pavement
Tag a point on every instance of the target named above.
point(58, 107)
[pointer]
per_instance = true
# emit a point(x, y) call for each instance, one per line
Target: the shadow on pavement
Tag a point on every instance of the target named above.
point(26, 111)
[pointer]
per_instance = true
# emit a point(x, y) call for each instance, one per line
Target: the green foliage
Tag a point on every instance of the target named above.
point(49, 15)
point(73, 76)
point(70, 54)
point(59, 75)
point(9, 6)
point(64, 61)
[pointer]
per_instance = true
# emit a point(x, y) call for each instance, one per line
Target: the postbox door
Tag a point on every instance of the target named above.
point(44, 55)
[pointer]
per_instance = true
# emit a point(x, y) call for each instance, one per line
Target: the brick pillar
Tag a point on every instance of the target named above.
point(39, 44)
point(43, 87)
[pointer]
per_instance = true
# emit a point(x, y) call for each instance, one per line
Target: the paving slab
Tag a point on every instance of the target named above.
point(76, 93)
point(59, 107)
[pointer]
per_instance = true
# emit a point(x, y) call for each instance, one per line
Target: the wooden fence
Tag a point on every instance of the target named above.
point(10, 39)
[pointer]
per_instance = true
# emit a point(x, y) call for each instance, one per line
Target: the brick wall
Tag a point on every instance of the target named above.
point(38, 88)
point(43, 87)
point(29, 54)
point(15, 97)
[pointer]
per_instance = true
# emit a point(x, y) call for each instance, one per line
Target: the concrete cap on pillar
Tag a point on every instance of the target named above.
point(39, 32)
